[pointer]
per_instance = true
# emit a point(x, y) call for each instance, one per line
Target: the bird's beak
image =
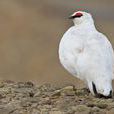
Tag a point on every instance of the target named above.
point(71, 17)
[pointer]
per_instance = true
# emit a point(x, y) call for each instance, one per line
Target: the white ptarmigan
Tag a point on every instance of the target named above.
point(88, 55)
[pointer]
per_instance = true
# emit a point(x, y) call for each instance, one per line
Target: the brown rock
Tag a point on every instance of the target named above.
point(82, 109)
point(68, 91)
point(56, 112)
point(110, 111)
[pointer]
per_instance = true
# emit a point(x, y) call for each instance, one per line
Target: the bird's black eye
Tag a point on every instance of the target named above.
point(94, 88)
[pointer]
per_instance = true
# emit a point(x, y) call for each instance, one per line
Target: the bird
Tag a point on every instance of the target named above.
point(88, 55)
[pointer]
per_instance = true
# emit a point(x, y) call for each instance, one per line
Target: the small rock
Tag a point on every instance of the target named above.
point(25, 84)
point(54, 109)
point(102, 106)
point(56, 93)
point(71, 88)
point(56, 112)
point(110, 111)
point(1, 84)
point(45, 101)
point(68, 91)
point(95, 109)
point(110, 106)
point(82, 92)
point(84, 112)
point(37, 94)
point(97, 104)
point(82, 109)
point(35, 111)
point(44, 111)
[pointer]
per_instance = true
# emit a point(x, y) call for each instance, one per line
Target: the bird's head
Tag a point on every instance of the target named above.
point(80, 17)
point(101, 88)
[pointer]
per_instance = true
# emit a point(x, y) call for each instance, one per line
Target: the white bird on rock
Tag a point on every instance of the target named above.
point(88, 55)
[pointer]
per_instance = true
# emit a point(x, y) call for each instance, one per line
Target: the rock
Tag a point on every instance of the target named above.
point(110, 111)
point(1, 84)
point(68, 91)
point(56, 112)
point(102, 106)
point(35, 111)
point(25, 84)
point(82, 92)
point(110, 105)
point(97, 103)
point(56, 93)
point(96, 110)
point(86, 112)
point(81, 109)
point(37, 94)
point(44, 111)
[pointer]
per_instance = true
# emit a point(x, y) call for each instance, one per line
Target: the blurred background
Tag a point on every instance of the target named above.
point(30, 32)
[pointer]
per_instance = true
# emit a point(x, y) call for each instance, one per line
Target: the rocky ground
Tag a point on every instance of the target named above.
point(28, 98)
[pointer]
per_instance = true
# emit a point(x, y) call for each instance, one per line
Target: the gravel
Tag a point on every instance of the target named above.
point(28, 98)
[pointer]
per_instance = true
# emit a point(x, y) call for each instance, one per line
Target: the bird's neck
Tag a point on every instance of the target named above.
point(85, 26)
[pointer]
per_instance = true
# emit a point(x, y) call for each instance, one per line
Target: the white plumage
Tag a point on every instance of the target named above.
point(87, 54)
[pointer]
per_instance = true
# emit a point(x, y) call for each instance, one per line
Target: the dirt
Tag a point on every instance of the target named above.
point(29, 98)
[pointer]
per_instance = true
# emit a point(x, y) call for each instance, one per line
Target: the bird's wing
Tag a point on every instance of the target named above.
point(72, 42)
point(109, 48)
point(69, 49)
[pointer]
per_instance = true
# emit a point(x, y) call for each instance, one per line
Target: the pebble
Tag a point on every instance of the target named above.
point(56, 112)
point(111, 111)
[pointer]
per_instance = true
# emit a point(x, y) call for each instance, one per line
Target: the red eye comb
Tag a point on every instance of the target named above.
point(78, 14)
